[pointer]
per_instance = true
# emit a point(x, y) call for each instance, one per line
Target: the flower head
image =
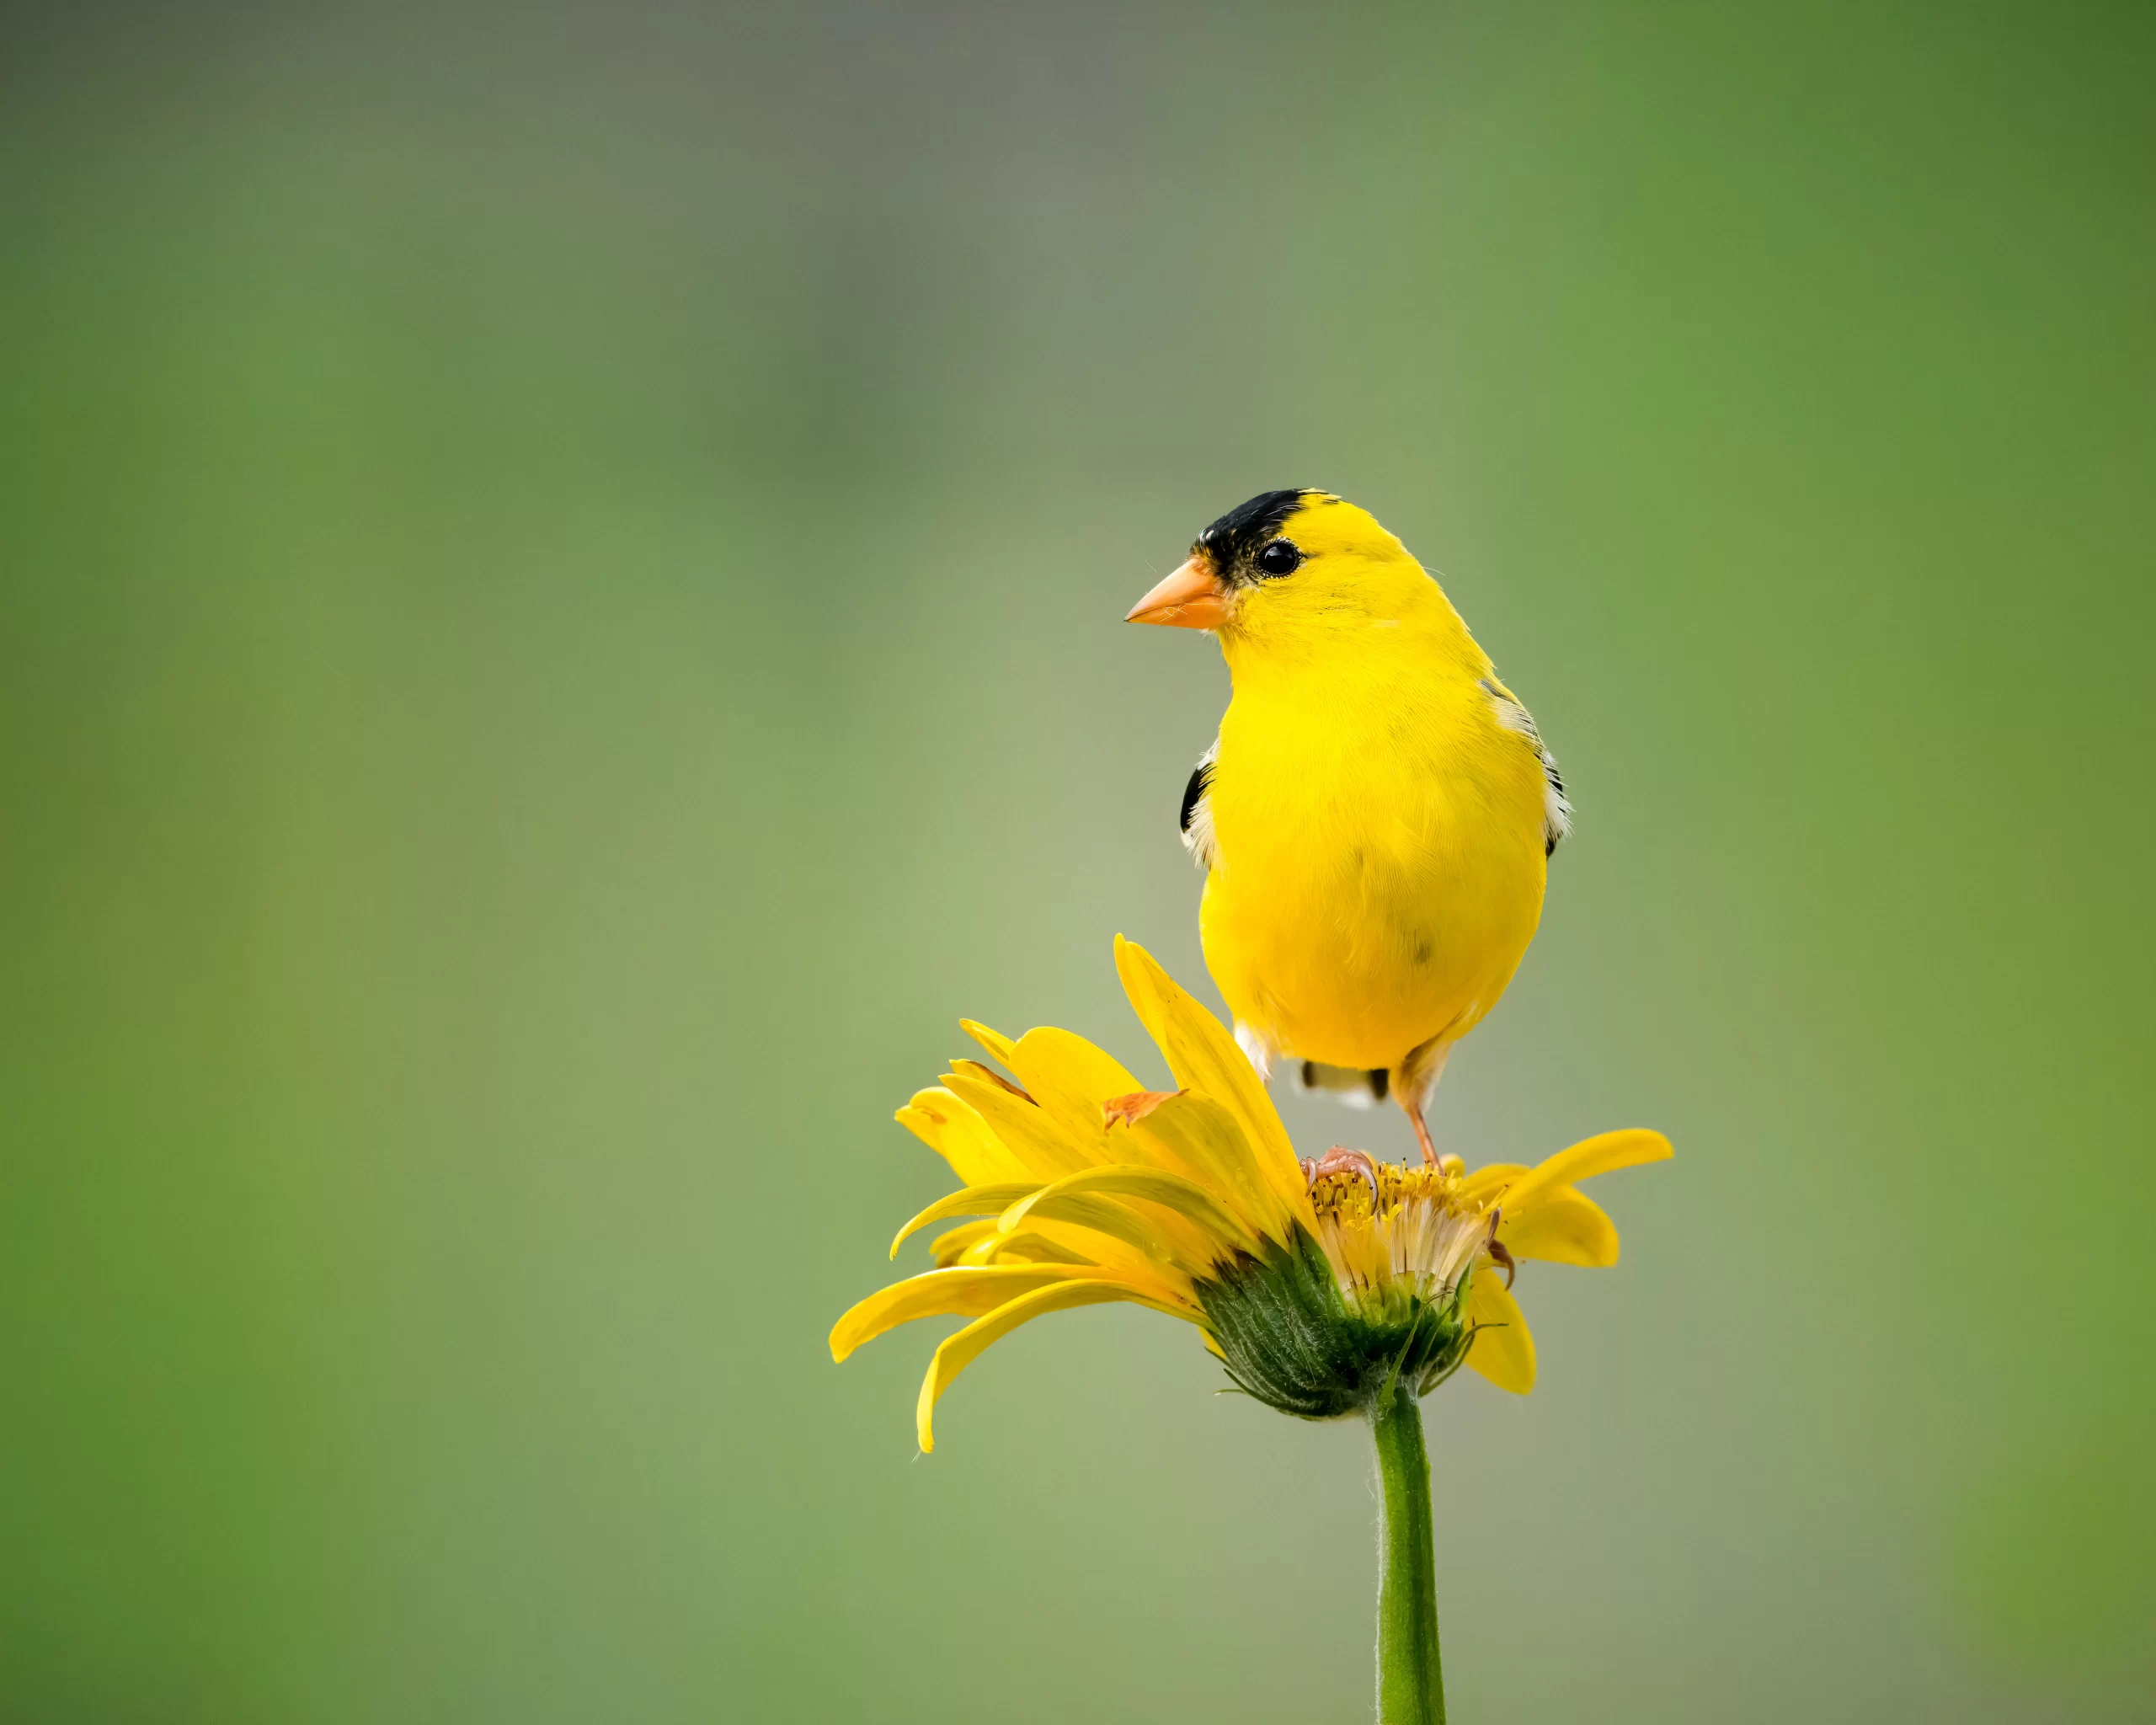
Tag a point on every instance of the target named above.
point(1318, 1285)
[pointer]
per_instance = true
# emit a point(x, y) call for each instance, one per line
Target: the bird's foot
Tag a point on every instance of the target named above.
point(1339, 1160)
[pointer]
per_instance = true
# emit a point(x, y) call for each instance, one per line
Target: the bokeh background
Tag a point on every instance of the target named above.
point(562, 570)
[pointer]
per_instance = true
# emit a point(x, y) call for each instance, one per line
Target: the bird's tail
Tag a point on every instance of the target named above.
point(1352, 1084)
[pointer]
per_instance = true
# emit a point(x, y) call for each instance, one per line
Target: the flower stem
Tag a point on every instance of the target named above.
point(1410, 1686)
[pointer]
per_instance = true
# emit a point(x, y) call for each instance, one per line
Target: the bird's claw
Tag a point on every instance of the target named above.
point(1339, 1160)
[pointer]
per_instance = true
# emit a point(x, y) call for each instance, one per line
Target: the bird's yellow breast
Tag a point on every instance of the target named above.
point(1379, 847)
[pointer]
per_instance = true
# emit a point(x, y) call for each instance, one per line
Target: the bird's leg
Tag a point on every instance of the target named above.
point(1412, 1081)
point(1339, 1160)
point(1422, 1137)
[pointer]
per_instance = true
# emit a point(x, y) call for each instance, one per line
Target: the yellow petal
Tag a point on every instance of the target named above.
point(1194, 1134)
point(1172, 1192)
point(995, 1041)
point(1160, 1246)
point(1479, 1186)
point(1067, 1074)
point(984, 1242)
point(961, 1350)
point(1503, 1351)
point(1564, 1226)
point(972, 1201)
point(1026, 1246)
point(1044, 1147)
point(950, 1126)
point(962, 1292)
point(1203, 1056)
point(1592, 1156)
point(1095, 1231)
point(951, 1247)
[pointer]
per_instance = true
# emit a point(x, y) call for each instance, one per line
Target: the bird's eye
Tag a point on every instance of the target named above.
point(1280, 557)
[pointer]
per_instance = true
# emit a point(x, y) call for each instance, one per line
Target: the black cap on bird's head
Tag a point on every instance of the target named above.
point(1234, 541)
point(1241, 549)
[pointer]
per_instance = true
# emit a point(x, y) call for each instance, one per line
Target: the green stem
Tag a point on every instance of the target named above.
point(1410, 1686)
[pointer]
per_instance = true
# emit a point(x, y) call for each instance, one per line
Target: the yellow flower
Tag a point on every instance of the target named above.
point(1320, 1285)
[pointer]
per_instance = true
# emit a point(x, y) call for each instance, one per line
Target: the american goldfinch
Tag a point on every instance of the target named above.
point(1376, 816)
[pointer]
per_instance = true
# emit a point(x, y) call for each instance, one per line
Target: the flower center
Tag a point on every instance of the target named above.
point(1394, 1232)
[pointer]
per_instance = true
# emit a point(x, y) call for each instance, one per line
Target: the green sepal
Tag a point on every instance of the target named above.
point(1297, 1342)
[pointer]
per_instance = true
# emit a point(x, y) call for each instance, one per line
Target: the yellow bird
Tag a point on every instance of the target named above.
point(1376, 817)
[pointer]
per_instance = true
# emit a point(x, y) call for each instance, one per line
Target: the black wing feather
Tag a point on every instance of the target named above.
point(1201, 779)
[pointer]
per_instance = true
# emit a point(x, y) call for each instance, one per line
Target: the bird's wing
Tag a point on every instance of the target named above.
point(1513, 716)
point(1197, 820)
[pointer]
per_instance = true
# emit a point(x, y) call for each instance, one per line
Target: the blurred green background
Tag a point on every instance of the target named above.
point(561, 624)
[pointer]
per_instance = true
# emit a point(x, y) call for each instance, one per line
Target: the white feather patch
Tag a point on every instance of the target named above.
point(1348, 1084)
point(1556, 811)
point(1198, 830)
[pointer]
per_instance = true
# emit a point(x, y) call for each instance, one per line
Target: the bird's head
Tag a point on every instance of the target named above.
point(1288, 567)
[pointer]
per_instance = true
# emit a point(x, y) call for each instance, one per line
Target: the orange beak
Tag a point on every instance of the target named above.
point(1192, 598)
